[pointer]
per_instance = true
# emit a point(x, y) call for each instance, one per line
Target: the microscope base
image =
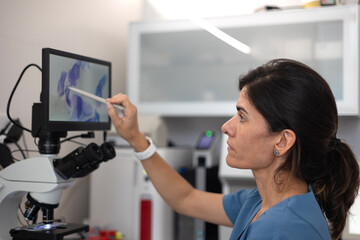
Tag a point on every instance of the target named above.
point(24, 233)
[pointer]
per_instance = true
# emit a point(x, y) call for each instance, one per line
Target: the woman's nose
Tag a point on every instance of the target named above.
point(226, 127)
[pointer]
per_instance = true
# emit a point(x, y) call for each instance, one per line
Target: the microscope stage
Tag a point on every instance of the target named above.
point(40, 232)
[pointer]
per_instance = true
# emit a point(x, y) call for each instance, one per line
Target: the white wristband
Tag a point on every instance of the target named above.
point(148, 152)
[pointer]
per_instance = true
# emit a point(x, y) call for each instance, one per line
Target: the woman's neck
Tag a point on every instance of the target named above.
point(272, 192)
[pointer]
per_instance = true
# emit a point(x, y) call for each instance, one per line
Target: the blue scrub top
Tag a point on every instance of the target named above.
point(298, 217)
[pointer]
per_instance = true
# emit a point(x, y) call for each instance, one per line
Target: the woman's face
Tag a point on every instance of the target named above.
point(250, 143)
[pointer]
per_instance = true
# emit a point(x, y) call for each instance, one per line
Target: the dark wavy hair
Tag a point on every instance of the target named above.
point(291, 95)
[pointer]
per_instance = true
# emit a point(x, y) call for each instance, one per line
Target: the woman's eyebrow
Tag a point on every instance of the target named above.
point(238, 108)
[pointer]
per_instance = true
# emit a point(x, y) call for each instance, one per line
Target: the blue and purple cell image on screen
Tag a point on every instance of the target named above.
point(66, 105)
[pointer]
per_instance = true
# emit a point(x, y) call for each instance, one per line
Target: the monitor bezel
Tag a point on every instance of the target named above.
point(67, 125)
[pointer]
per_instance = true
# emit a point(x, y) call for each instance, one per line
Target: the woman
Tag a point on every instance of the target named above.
point(285, 132)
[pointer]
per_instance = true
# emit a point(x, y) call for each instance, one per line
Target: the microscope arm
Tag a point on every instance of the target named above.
point(34, 175)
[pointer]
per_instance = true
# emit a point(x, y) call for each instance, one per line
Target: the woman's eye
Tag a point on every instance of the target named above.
point(241, 118)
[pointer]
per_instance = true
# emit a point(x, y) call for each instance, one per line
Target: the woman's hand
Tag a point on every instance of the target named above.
point(127, 126)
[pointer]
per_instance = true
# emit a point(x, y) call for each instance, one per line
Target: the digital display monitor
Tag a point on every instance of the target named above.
point(64, 109)
point(205, 140)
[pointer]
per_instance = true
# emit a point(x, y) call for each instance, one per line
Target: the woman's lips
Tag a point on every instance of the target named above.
point(229, 147)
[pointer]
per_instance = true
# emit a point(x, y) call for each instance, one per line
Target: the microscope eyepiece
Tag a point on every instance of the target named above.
point(108, 151)
point(83, 161)
point(93, 153)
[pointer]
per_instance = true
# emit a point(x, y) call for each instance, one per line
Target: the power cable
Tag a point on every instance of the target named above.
point(12, 94)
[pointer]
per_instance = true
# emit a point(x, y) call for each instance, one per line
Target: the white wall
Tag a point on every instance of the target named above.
point(92, 28)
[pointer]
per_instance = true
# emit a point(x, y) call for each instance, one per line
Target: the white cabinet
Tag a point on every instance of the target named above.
point(177, 69)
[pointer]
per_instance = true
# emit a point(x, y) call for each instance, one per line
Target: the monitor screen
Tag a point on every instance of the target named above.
point(205, 140)
point(64, 109)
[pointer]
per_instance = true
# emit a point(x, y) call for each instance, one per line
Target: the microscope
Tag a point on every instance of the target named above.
point(41, 180)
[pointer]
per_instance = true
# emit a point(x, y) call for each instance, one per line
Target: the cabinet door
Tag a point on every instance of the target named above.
point(177, 69)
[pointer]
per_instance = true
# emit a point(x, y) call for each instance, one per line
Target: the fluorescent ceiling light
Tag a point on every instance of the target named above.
point(221, 35)
point(179, 9)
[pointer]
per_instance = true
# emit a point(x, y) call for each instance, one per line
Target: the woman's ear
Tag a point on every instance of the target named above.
point(286, 140)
